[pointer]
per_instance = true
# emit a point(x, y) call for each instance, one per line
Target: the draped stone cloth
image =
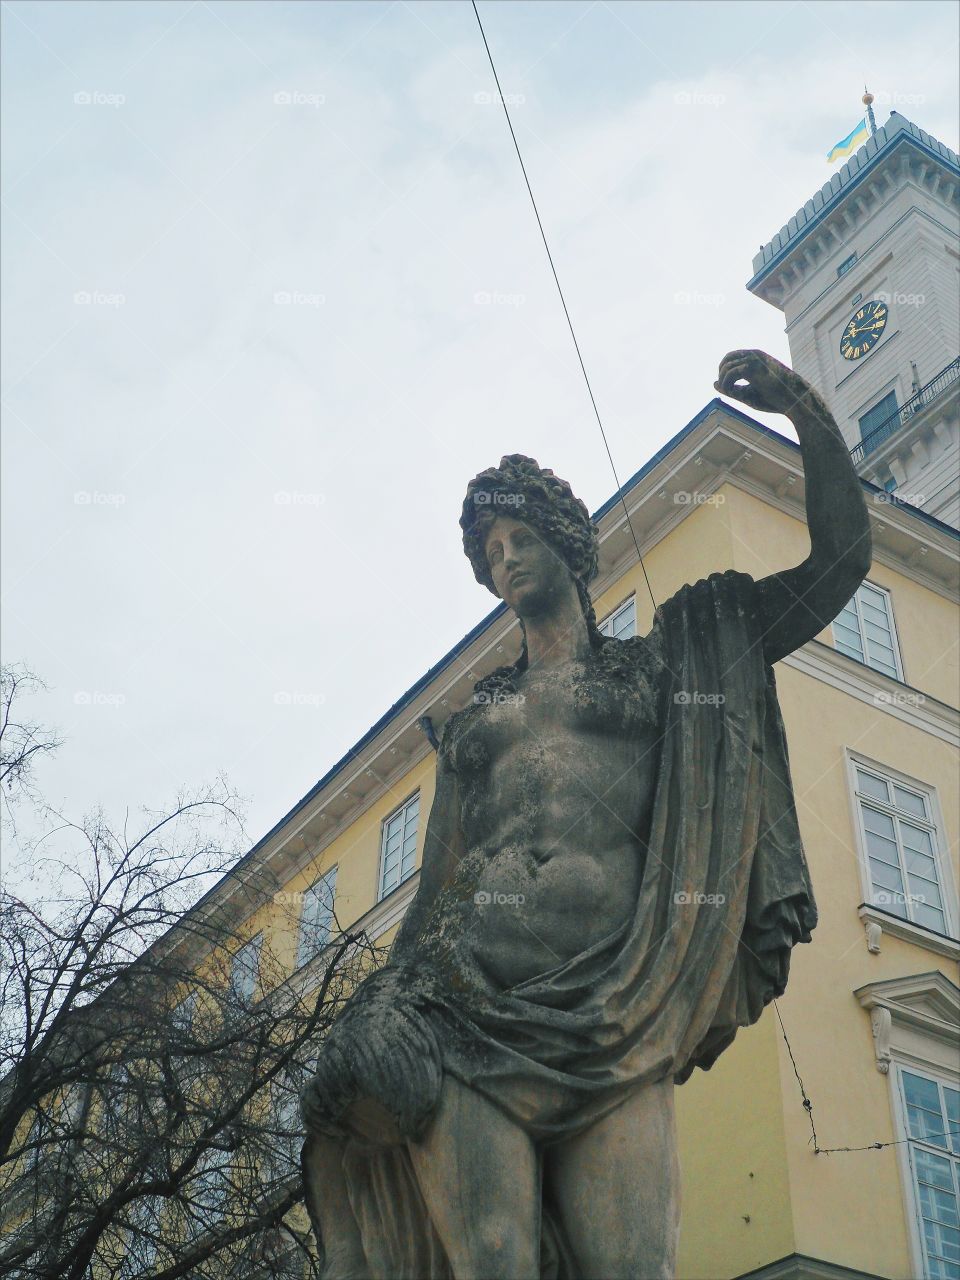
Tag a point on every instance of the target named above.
point(724, 895)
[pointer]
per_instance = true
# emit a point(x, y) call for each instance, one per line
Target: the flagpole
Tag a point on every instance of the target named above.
point(867, 101)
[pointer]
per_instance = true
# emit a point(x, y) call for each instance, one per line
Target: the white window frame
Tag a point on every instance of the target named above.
point(611, 617)
point(914, 1021)
point(891, 618)
point(252, 946)
point(307, 930)
point(945, 878)
point(930, 1071)
point(383, 892)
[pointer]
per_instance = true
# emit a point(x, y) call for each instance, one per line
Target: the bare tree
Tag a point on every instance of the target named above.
point(151, 1051)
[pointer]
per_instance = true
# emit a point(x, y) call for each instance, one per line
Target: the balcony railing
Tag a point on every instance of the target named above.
point(925, 396)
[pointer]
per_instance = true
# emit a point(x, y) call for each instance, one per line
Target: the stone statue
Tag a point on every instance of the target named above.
point(612, 882)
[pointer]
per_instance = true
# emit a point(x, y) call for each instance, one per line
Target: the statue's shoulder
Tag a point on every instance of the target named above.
point(723, 591)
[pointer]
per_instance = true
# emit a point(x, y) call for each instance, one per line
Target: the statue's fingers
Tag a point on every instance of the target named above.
point(746, 395)
point(742, 353)
point(731, 373)
point(740, 357)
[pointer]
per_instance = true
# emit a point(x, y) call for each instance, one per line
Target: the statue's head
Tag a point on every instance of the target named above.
point(527, 536)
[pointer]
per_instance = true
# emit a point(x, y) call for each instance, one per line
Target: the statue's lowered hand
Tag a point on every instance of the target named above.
point(769, 386)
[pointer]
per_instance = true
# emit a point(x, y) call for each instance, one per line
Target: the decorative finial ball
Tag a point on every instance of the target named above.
point(867, 99)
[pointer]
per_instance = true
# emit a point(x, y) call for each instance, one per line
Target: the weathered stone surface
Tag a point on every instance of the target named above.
point(612, 882)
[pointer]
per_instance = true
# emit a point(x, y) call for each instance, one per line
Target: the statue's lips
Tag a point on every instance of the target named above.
point(518, 577)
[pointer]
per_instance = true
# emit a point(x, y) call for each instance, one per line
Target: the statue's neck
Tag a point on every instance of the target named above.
point(558, 637)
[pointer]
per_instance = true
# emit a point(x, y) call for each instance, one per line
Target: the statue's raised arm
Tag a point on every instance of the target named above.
point(798, 603)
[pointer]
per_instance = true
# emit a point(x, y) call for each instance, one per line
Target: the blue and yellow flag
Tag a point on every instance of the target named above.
point(854, 139)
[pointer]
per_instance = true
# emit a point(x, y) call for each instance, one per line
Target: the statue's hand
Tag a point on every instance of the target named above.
point(770, 386)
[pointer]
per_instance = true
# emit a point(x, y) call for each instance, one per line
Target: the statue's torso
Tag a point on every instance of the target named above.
point(556, 782)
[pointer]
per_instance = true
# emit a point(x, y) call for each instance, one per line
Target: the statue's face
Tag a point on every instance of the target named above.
point(527, 572)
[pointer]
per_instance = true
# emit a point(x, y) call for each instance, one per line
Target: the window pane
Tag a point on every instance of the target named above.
point(872, 597)
point(910, 802)
point(932, 917)
point(880, 824)
point(916, 838)
point(883, 849)
point(872, 786)
point(923, 1108)
point(887, 887)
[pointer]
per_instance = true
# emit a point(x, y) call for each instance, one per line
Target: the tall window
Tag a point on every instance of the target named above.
point(245, 969)
point(873, 418)
point(864, 629)
point(900, 842)
point(932, 1112)
point(398, 846)
point(622, 623)
point(317, 916)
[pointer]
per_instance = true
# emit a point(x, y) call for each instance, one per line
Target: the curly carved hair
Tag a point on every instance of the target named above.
point(521, 488)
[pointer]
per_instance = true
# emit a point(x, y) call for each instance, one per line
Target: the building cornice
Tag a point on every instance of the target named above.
point(879, 691)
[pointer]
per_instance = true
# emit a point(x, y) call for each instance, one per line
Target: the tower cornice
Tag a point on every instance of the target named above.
point(898, 149)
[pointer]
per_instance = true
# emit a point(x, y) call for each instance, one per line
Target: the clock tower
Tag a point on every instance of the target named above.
point(866, 275)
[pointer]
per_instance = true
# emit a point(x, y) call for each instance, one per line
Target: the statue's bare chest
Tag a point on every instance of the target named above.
point(567, 709)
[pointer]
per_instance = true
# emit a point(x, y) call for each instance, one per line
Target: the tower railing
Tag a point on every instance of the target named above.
point(924, 397)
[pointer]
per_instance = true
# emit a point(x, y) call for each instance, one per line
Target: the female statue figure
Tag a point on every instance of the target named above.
point(612, 882)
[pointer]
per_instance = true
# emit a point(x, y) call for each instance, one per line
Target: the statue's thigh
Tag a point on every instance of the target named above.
point(478, 1173)
point(616, 1190)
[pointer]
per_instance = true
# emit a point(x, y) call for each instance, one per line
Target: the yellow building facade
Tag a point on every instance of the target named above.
point(872, 1004)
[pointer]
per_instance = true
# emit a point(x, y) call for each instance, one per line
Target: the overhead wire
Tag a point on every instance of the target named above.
point(563, 301)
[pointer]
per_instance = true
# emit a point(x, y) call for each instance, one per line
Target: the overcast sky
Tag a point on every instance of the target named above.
point(274, 292)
